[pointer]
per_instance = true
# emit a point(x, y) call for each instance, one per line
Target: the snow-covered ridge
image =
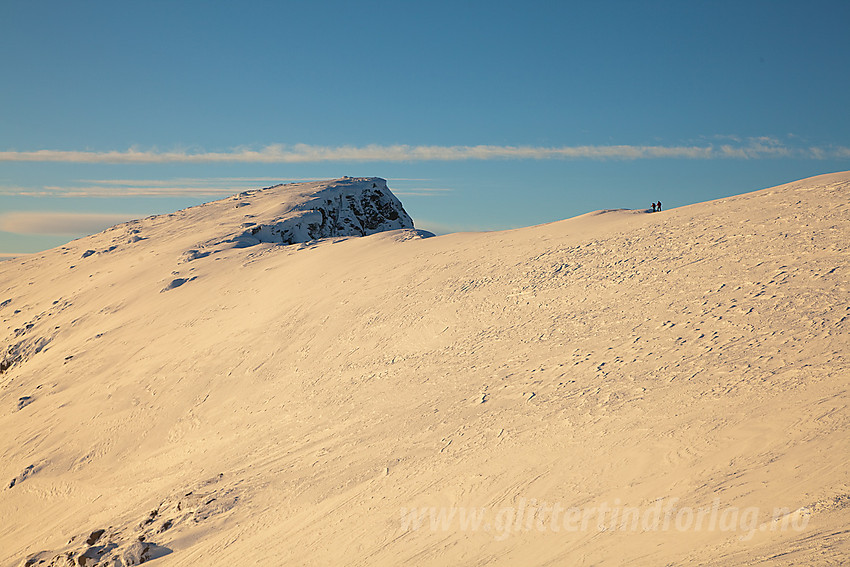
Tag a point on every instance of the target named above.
point(168, 396)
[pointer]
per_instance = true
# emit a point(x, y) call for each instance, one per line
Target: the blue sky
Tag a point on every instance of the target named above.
point(482, 115)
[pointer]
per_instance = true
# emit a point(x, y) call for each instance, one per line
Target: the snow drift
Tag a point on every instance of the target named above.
point(618, 388)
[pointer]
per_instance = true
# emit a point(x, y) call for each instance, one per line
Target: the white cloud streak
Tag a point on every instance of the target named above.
point(59, 224)
point(180, 187)
point(189, 181)
point(422, 191)
point(756, 148)
point(118, 191)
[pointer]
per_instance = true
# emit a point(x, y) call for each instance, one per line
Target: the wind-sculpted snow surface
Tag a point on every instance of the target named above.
point(265, 380)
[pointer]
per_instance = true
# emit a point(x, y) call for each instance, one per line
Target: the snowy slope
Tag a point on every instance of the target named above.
point(206, 395)
point(296, 213)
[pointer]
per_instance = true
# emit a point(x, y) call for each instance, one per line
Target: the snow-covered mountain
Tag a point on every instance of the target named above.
point(295, 213)
point(345, 207)
point(218, 387)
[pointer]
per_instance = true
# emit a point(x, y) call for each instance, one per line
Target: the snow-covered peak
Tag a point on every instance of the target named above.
point(238, 406)
point(292, 213)
point(342, 207)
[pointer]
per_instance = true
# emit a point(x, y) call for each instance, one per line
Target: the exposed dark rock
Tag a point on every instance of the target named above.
point(94, 536)
point(349, 207)
point(21, 477)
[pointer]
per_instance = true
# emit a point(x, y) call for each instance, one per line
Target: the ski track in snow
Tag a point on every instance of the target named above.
point(281, 403)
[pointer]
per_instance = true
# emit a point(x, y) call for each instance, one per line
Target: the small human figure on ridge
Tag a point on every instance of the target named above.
point(653, 206)
point(658, 205)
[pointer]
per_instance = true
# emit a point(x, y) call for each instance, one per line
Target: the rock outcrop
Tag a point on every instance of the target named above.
point(344, 207)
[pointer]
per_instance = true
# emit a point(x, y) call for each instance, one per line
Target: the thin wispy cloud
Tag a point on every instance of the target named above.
point(422, 191)
point(754, 148)
point(141, 191)
point(188, 181)
point(59, 223)
point(180, 187)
